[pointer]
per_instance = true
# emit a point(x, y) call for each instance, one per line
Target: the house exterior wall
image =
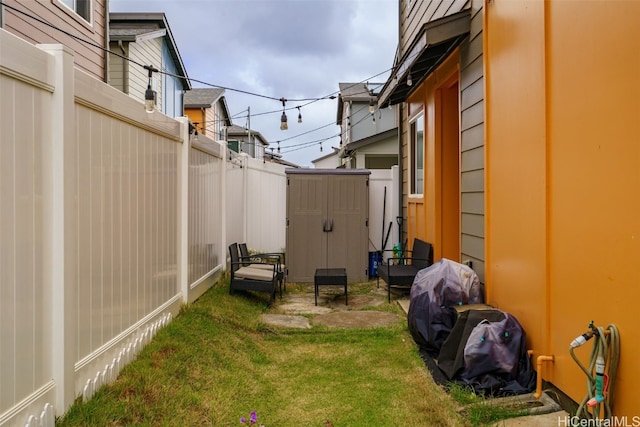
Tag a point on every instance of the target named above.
point(172, 93)
point(329, 162)
point(363, 125)
point(119, 67)
point(424, 218)
point(426, 214)
point(562, 168)
point(215, 122)
point(472, 145)
point(379, 149)
point(88, 58)
point(196, 115)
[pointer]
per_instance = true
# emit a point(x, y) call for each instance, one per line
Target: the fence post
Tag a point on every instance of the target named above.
point(183, 209)
point(223, 205)
point(59, 255)
point(245, 196)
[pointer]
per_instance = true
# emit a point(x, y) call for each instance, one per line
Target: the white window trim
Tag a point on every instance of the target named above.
point(75, 15)
point(412, 168)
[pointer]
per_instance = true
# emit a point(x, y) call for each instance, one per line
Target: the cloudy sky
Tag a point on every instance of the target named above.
point(296, 49)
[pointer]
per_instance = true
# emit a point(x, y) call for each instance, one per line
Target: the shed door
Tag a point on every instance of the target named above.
point(306, 210)
point(347, 208)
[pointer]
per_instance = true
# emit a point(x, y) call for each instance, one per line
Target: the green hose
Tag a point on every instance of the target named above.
point(607, 347)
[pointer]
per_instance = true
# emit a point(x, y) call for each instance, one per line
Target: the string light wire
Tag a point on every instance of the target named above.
point(306, 101)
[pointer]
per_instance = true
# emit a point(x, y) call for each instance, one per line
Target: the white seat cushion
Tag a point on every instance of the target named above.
point(280, 267)
point(254, 273)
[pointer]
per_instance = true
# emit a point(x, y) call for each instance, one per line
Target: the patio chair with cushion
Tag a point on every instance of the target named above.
point(398, 273)
point(264, 261)
point(251, 279)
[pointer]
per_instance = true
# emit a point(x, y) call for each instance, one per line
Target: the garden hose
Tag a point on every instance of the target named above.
point(601, 374)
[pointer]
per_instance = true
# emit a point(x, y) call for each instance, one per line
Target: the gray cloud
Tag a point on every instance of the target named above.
point(281, 48)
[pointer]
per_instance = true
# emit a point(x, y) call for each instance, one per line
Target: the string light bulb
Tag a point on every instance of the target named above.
point(283, 118)
point(278, 147)
point(321, 147)
point(150, 94)
point(299, 115)
point(372, 105)
point(409, 79)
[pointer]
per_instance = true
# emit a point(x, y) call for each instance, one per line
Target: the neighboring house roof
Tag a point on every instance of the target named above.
point(202, 97)
point(206, 98)
point(356, 92)
point(137, 27)
point(277, 158)
point(235, 130)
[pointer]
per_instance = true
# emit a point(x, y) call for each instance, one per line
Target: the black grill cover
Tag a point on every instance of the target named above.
point(434, 293)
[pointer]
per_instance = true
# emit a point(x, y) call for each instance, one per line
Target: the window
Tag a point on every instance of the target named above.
point(417, 155)
point(81, 7)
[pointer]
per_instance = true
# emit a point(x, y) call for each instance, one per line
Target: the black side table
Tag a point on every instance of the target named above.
point(331, 276)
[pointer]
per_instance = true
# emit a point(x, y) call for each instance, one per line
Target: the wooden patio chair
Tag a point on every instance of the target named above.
point(251, 279)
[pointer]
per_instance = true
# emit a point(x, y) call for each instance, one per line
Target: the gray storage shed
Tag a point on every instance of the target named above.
point(327, 222)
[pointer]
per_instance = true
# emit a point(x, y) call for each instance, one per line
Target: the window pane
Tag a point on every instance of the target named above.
point(417, 152)
point(83, 8)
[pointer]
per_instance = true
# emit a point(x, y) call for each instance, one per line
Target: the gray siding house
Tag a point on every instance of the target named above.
point(369, 134)
point(243, 140)
point(146, 38)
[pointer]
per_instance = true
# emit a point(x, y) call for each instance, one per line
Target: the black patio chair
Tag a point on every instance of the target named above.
point(398, 273)
point(264, 261)
point(251, 279)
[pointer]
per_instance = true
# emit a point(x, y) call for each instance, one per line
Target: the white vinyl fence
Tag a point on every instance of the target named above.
point(110, 219)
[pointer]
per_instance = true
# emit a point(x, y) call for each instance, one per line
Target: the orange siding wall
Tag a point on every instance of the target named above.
point(425, 213)
point(563, 164)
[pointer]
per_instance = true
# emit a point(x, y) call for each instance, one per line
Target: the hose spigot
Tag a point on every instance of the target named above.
point(582, 339)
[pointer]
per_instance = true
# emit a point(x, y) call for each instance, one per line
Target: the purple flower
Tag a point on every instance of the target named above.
point(253, 418)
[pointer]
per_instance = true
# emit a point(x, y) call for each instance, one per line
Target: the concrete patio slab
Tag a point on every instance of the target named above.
point(286, 321)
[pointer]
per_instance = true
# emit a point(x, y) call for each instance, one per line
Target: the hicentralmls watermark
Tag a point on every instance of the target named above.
point(622, 421)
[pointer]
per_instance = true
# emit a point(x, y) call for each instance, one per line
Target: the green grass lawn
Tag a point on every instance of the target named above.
point(215, 363)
